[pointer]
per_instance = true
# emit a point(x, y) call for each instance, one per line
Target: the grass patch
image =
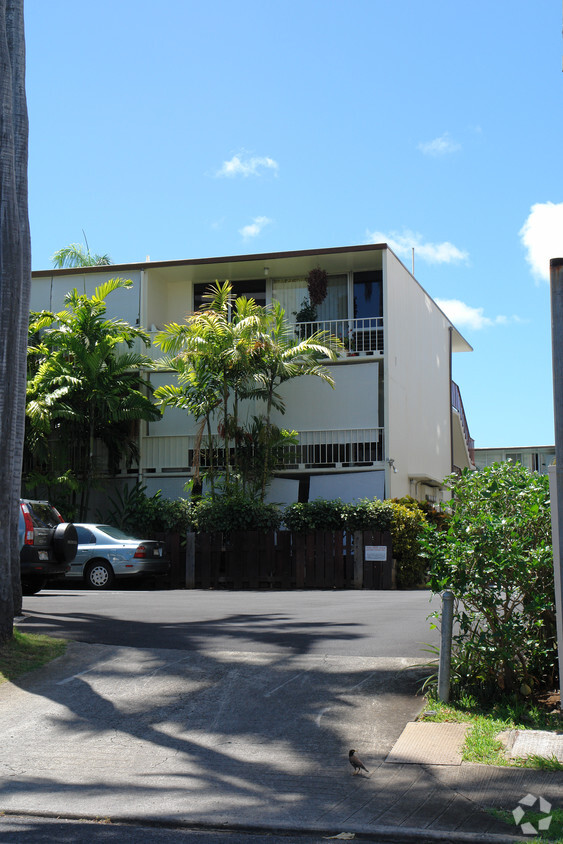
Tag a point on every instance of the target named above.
point(553, 834)
point(26, 651)
point(485, 723)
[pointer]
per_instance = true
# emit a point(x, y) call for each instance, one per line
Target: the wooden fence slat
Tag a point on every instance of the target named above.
point(339, 575)
point(315, 560)
point(300, 555)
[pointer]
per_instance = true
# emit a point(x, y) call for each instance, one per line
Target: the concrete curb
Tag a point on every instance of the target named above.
point(391, 834)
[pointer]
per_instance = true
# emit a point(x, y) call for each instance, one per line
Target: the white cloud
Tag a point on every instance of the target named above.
point(542, 237)
point(465, 316)
point(444, 145)
point(432, 253)
point(253, 166)
point(254, 228)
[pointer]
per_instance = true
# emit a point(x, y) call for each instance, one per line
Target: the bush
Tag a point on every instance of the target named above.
point(368, 514)
point(234, 512)
point(496, 556)
point(135, 512)
point(320, 514)
point(408, 525)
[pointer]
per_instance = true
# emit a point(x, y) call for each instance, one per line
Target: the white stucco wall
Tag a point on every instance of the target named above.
point(417, 372)
point(312, 405)
point(348, 486)
point(48, 293)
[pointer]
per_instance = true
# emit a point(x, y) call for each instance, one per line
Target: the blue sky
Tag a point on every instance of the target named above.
point(186, 130)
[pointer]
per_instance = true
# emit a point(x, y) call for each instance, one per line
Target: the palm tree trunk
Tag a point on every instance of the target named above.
point(15, 284)
point(225, 431)
point(267, 444)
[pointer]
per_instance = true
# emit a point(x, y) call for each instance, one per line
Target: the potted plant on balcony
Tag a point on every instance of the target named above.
point(317, 285)
point(317, 288)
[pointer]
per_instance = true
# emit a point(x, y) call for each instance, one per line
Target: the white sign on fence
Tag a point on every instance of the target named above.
point(375, 553)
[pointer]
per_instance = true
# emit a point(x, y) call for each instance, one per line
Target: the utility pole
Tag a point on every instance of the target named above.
point(556, 281)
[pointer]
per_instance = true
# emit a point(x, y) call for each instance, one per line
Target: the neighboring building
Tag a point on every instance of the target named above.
point(535, 458)
point(395, 423)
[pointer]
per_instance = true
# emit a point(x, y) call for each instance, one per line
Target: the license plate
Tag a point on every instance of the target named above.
point(158, 552)
point(43, 555)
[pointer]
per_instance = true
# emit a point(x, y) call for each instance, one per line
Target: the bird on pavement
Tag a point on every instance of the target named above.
point(356, 762)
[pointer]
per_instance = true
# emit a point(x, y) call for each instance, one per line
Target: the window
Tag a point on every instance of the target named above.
point(252, 289)
point(291, 293)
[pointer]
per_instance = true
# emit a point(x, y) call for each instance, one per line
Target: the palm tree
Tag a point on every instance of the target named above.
point(84, 388)
point(233, 349)
point(210, 354)
point(78, 255)
point(279, 357)
point(15, 284)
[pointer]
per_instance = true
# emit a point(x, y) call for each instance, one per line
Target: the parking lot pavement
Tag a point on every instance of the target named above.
point(253, 738)
point(338, 622)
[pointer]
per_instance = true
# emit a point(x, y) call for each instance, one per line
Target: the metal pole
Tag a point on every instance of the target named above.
point(445, 646)
point(556, 275)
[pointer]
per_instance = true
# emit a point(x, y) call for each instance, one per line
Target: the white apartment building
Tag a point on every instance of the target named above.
point(394, 425)
point(536, 458)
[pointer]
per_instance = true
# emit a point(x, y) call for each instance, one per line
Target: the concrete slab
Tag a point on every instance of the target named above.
point(226, 740)
point(524, 743)
point(429, 743)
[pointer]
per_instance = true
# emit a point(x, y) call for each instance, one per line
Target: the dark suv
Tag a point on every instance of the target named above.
point(47, 544)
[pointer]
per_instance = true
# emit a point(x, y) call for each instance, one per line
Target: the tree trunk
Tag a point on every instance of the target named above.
point(15, 284)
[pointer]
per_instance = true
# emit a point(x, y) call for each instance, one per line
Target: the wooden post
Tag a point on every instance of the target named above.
point(190, 560)
point(358, 577)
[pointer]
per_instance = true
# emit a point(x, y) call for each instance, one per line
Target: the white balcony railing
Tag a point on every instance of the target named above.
point(352, 447)
point(359, 336)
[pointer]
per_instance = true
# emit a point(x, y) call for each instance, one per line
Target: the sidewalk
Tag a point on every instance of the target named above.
point(231, 740)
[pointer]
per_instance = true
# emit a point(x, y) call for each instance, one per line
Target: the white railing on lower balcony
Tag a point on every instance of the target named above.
point(359, 336)
point(315, 450)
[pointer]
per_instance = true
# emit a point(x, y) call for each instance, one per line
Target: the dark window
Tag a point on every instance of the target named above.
point(368, 300)
point(85, 536)
point(252, 289)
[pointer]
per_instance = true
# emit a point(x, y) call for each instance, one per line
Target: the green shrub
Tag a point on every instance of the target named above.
point(496, 556)
point(434, 515)
point(320, 514)
point(135, 512)
point(228, 513)
point(368, 514)
point(408, 525)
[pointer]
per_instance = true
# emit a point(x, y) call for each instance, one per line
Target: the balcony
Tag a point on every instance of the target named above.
point(459, 413)
point(359, 336)
point(315, 450)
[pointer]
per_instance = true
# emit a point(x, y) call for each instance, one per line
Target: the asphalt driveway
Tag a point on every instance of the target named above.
point(345, 623)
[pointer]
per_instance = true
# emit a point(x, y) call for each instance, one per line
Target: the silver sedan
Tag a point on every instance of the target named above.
point(106, 553)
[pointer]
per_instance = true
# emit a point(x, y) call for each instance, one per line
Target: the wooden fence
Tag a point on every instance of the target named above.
point(286, 560)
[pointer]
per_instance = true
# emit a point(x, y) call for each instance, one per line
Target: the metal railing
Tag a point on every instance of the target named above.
point(314, 450)
point(457, 404)
point(359, 336)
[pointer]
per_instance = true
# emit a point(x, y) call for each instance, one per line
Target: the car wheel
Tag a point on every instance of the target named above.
point(65, 542)
point(33, 585)
point(99, 575)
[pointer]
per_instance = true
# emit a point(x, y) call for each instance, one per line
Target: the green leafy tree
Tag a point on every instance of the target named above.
point(280, 357)
point(496, 556)
point(231, 350)
point(211, 356)
point(85, 386)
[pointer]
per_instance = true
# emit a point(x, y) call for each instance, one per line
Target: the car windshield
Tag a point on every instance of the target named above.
point(114, 532)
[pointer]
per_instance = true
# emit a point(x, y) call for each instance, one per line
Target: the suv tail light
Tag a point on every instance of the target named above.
point(28, 535)
point(140, 553)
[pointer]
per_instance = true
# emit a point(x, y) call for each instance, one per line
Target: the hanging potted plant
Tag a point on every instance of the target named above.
point(317, 286)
